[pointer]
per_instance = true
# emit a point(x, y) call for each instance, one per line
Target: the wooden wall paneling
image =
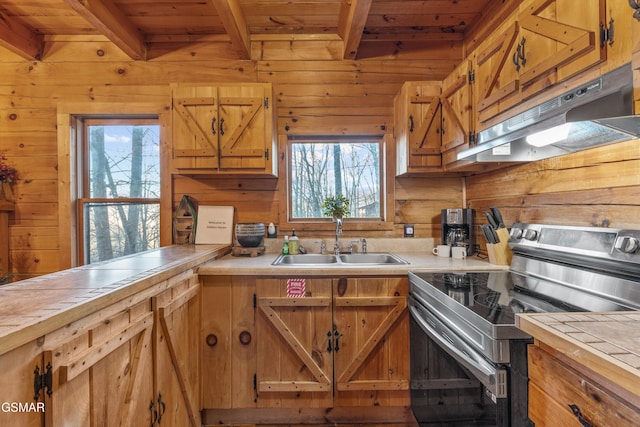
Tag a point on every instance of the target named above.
point(102, 75)
point(596, 187)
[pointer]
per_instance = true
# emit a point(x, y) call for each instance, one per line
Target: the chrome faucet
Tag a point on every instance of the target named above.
point(364, 245)
point(336, 245)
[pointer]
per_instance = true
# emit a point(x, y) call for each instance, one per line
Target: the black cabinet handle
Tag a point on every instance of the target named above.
point(411, 123)
point(576, 411)
point(336, 335)
point(154, 413)
point(213, 126)
point(329, 348)
point(162, 407)
point(221, 127)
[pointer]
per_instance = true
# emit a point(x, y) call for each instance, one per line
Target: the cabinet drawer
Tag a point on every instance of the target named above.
point(554, 386)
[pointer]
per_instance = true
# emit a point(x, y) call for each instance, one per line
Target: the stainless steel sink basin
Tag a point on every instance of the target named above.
point(307, 259)
point(341, 260)
point(372, 258)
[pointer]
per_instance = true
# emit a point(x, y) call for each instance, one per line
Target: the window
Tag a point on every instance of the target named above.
point(329, 166)
point(120, 187)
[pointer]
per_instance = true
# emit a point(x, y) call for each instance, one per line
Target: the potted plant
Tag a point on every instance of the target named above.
point(337, 207)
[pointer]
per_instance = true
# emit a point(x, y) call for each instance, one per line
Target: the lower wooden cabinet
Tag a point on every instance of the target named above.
point(305, 348)
point(131, 363)
point(563, 394)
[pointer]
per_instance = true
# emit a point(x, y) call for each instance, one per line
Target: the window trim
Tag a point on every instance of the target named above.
point(361, 223)
point(68, 116)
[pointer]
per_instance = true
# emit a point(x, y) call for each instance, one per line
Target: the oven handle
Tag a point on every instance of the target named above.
point(493, 378)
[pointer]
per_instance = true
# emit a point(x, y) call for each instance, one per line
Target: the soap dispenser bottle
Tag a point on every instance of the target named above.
point(285, 246)
point(294, 244)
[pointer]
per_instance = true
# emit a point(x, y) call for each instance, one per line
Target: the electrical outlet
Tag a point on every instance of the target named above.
point(408, 230)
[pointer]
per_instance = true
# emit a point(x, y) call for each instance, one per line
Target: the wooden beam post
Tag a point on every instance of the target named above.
point(233, 21)
point(351, 22)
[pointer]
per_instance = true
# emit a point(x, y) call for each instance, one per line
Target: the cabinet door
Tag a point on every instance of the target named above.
point(195, 123)
point(294, 349)
point(372, 359)
point(245, 128)
point(229, 338)
point(17, 387)
point(418, 127)
point(496, 77)
point(458, 120)
point(103, 375)
point(560, 40)
point(176, 337)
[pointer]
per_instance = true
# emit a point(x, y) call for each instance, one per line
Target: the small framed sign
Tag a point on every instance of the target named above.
point(215, 225)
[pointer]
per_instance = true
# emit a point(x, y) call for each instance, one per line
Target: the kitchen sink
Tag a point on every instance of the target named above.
point(306, 259)
point(340, 260)
point(372, 258)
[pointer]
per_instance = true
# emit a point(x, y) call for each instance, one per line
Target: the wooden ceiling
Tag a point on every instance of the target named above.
point(135, 26)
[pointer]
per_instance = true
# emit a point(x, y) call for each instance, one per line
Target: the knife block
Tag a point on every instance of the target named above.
point(500, 253)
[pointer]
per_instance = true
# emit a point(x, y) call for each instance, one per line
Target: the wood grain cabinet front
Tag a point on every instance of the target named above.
point(561, 394)
point(545, 43)
point(128, 364)
point(342, 343)
point(418, 128)
point(224, 129)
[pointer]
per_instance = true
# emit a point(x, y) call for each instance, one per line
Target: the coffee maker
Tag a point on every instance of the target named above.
point(457, 228)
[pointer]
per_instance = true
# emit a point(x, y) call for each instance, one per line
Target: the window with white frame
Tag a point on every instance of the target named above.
point(325, 166)
point(119, 204)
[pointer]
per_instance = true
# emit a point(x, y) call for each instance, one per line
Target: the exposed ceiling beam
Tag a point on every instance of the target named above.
point(113, 24)
point(351, 22)
point(19, 39)
point(233, 21)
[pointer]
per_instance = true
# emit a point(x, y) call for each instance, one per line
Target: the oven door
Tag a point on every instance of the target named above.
point(493, 377)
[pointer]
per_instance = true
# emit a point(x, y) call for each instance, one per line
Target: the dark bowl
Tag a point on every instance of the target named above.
point(249, 241)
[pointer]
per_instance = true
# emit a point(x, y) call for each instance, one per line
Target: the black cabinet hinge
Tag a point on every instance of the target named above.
point(42, 381)
point(266, 102)
point(472, 76)
point(255, 301)
point(606, 34)
point(266, 154)
point(472, 138)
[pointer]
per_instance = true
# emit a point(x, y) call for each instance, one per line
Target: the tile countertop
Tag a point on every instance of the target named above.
point(415, 251)
point(34, 307)
point(606, 343)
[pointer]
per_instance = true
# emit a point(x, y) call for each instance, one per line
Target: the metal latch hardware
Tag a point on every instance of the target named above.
point(266, 103)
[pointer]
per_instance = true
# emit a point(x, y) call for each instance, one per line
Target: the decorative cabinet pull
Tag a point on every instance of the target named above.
point(336, 335)
point(411, 123)
point(154, 413)
point(329, 348)
point(213, 126)
point(245, 337)
point(211, 340)
point(162, 406)
point(519, 58)
point(221, 127)
point(576, 411)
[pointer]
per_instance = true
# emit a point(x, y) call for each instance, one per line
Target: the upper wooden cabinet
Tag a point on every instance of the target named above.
point(544, 43)
point(418, 126)
point(224, 129)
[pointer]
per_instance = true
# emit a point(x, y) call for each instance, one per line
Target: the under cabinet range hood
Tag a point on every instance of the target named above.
point(597, 113)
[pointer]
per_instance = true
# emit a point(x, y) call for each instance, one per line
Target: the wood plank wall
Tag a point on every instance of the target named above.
point(599, 187)
point(315, 91)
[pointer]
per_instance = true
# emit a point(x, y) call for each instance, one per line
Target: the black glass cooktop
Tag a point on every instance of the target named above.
point(494, 296)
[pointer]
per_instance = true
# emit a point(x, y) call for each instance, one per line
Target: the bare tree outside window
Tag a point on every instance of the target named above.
point(326, 168)
point(121, 208)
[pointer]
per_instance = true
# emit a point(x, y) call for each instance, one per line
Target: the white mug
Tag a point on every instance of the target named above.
point(442, 250)
point(459, 252)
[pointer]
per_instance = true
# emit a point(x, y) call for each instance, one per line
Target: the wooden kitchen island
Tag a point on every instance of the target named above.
point(584, 367)
point(105, 344)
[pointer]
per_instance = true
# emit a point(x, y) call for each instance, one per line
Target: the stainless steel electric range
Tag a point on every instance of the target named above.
point(466, 320)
